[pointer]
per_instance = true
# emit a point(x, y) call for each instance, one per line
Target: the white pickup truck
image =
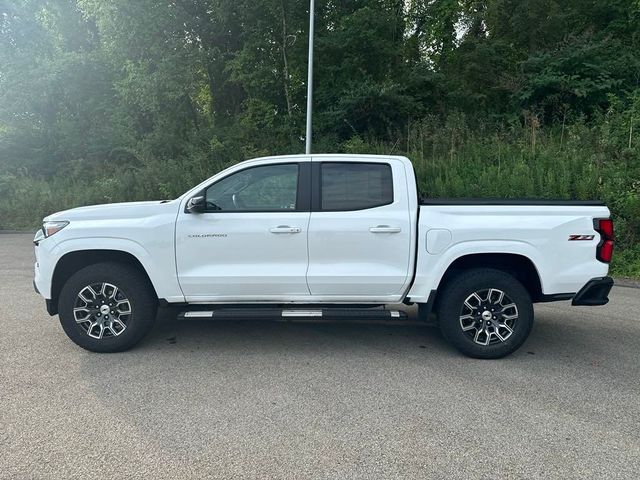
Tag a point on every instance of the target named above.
point(323, 236)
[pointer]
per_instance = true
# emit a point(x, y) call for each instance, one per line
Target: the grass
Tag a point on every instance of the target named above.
point(579, 162)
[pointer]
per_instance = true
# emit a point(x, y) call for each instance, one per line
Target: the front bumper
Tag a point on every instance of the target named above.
point(594, 293)
point(44, 266)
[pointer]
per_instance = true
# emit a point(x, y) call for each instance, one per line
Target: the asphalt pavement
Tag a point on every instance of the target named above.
point(274, 400)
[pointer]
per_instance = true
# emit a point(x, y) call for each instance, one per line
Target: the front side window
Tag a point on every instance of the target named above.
point(265, 188)
point(355, 186)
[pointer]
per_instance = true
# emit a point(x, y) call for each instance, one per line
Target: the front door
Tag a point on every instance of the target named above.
point(251, 242)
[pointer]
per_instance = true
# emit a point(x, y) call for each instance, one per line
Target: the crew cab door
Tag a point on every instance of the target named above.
point(250, 243)
point(360, 233)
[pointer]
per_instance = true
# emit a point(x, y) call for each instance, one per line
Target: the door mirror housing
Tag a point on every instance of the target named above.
point(196, 204)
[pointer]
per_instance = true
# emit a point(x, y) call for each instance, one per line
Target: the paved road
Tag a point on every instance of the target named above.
point(304, 400)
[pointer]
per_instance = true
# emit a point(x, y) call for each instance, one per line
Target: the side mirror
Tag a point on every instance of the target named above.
point(196, 204)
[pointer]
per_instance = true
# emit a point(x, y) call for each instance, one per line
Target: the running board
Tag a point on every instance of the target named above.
point(293, 313)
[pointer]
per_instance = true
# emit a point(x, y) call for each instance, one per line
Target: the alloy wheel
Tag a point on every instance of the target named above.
point(102, 310)
point(488, 316)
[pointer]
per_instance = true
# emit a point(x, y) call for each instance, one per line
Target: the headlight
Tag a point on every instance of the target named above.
point(49, 228)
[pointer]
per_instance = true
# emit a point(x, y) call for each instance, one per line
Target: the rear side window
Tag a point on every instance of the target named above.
point(355, 186)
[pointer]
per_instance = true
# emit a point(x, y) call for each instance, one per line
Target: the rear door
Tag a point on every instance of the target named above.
point(359, 230)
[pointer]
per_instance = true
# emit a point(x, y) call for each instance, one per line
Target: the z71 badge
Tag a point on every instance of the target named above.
point(581, 237)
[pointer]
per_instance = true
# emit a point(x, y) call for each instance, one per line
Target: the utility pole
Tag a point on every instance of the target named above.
point(310, 79)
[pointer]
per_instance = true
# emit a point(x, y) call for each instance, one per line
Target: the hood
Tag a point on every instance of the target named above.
point(114, 210)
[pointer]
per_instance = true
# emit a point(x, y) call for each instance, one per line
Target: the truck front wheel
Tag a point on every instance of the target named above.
point(485, 313)
point(107, 307)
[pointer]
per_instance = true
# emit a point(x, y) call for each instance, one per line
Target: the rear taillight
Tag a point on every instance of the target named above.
point(604, 251)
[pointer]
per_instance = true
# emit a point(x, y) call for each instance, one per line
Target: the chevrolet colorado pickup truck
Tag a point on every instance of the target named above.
point(321, 236)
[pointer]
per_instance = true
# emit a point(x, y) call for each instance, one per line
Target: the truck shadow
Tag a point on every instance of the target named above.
point(550, 336)
point(289, 336)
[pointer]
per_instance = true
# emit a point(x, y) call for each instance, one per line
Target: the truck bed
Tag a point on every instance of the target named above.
point(539, 230)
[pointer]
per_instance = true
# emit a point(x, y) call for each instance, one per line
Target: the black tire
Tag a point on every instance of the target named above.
point(489, 283)
point(132, 285)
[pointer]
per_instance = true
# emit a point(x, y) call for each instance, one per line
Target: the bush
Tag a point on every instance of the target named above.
point(451, 159)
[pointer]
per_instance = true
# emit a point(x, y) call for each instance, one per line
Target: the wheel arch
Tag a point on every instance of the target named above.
point(73, 261)
point(519, 266)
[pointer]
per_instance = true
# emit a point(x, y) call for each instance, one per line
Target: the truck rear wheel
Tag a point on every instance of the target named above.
point(107, 307)
point(485, 313)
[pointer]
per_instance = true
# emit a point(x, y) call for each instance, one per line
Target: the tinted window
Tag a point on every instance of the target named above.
point(270, 188)
point(355, 186)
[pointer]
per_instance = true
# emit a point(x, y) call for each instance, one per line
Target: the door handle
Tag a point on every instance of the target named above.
point(285, 229)
point(385, 229)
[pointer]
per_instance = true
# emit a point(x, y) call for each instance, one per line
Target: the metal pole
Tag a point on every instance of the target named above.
point(310, 79)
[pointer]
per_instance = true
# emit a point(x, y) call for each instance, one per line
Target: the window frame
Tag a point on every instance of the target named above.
point(303, 190)
point(316, 186)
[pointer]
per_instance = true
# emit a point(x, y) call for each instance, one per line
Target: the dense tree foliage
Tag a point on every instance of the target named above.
point(104, 101)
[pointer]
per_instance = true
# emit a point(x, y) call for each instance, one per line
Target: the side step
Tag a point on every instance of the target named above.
point(293, 313)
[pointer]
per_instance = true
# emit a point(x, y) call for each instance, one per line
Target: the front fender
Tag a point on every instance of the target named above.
point(159, 265)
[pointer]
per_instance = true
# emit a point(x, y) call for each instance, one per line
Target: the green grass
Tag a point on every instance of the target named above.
point(626, 263)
